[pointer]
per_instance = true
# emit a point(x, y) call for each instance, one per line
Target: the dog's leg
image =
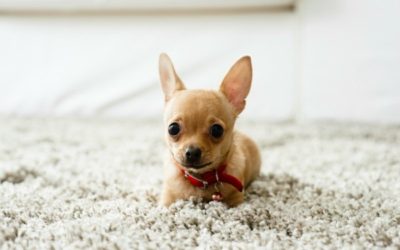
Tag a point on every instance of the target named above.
point(167, 197)
point(235, 199)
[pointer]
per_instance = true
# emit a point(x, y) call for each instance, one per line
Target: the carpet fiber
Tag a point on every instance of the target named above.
point(70, 183)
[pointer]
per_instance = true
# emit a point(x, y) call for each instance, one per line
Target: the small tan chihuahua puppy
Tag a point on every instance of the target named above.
point(207, 158)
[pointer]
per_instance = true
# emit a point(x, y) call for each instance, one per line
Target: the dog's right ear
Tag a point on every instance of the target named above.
point(170, 81)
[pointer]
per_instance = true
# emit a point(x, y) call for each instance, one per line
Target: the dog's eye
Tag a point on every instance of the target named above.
point(174, 128)
point(216, 131)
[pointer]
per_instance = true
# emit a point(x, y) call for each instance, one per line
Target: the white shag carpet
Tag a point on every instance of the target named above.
point(80, 184)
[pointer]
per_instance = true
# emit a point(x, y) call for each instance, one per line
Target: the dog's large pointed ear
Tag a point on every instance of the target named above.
point(236, 84)
point(170, 81)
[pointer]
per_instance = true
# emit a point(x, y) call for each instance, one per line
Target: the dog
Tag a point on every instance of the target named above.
point(207, 158)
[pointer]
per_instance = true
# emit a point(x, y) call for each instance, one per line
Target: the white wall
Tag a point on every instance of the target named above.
point(350, 59)
point(328, 60)
point(109, 65)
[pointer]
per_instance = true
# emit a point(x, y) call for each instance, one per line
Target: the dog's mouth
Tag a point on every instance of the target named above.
point(196, 166)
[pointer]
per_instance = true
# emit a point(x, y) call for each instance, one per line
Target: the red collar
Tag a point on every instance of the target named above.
point(212, 177)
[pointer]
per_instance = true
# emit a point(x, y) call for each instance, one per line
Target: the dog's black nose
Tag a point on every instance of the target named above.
point(193, 154)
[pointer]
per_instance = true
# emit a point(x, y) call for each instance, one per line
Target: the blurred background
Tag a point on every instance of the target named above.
point(312, 59)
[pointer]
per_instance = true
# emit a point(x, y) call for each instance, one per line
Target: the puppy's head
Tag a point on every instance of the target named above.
point(199, 123)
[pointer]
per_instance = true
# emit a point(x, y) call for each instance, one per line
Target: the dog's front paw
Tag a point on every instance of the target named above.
point(235, 199)
point(166, 199)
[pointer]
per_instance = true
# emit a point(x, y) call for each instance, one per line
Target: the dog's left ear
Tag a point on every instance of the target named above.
point(236, 84)
point(170, 81)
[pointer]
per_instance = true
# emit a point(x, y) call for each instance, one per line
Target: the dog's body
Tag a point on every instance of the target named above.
point(201, 136)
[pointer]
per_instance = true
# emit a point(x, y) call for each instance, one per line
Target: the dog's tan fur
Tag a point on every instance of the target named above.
point(195, 111)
